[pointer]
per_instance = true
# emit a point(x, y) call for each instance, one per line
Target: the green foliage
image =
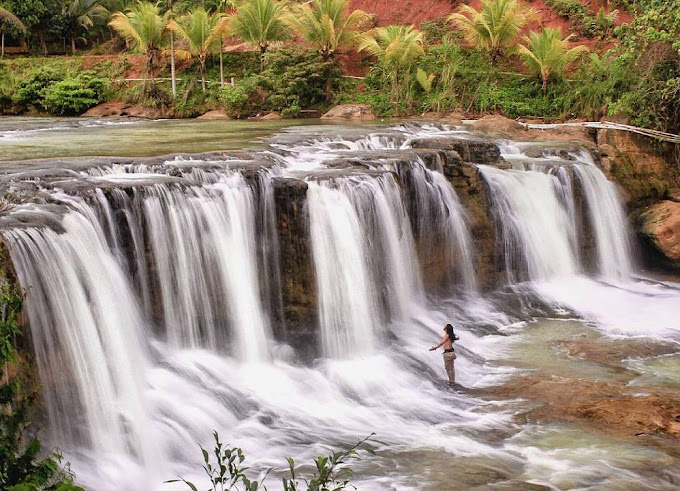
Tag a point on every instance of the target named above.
point(227, 471)
point(74, 96)
point(260, 23)
point(327, 25)
point(495, 27)
point(579, 14)
point(291, 80)
point(31, 91)
point(238, 100)
point(547, 53)
point(21, 466)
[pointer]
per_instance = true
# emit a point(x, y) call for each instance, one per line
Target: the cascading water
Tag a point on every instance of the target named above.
point(362, 244)
point(535, 227)
point(156, 295)
point(87, 334)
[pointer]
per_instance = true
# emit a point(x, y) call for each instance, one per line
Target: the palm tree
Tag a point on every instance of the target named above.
point(547, 53)
point(326, 25)
point(203, 32)
point(260, 23)
point(81, 14)
point(397, 48)
point(145, 29)
point(495, 27)
point(8, 17)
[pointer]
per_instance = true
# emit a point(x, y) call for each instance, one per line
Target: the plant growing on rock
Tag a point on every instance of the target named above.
point(547, 53)
point(495, 27)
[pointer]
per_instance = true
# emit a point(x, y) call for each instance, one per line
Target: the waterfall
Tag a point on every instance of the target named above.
point(88, 337)
point(608, 221)
point(365, 261)
point(440, 220)
point(159, 303)
point(205, 254)
point(535, 227)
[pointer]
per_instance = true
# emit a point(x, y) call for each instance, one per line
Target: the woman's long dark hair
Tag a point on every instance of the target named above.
point(449, 331)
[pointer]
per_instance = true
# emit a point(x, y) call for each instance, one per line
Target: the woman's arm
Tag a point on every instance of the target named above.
point(441, 343)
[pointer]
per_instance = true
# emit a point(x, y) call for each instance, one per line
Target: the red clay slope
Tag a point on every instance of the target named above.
point(418, 11)
point(405, 11)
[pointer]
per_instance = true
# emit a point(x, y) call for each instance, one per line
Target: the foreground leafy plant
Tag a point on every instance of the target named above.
point(227, 471)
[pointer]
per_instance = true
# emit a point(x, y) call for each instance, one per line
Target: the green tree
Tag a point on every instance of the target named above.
point(145, 29)
point(81, 15)
point(203, 32)
point(397, 49)
point(7, 17)
point(260, 23)
point(495, 27)
point(547, 53)
point(327, 25)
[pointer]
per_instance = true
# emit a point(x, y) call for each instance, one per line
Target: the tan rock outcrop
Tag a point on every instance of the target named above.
point(216, 115)
point(119, 109)
point(660, 224)
point(353, 112)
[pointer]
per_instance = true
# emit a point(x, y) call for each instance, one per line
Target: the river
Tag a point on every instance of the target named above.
point(285, 292)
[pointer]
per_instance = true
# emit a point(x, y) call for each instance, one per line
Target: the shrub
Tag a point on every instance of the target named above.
point(226, 472)
point(239, 100)
point(74, 96)
point(31, 90)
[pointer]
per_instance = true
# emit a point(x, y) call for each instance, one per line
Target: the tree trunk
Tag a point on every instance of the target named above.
point(202, 61)
point(221, 64)
point(263, 50)
point(545, 85)
point(2, 47)
point(173, 74)
point(73, 45)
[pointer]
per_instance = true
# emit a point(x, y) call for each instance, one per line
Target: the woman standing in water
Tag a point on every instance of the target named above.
point(449, 354)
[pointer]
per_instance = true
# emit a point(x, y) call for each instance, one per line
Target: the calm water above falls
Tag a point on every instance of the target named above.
point(286, 297)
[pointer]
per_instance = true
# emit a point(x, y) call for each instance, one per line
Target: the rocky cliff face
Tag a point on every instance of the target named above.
point(649, 174)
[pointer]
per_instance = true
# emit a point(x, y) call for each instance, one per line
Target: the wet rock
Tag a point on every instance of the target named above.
point(354, 112)
point(475, 151)
point(501, 126)
point(660, 227)
point(646, 414)
point(214, 115)
point(297, 268)
point(472, 191)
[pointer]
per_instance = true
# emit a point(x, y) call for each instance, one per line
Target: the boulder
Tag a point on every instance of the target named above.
point(500, 126)
point(106, 110)
point(119, 109)
point(216, 115)
point(271, 116)
point(660, 226)
point(354, 112)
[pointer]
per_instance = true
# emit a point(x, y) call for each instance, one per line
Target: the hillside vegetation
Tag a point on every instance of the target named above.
point(553, 59)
